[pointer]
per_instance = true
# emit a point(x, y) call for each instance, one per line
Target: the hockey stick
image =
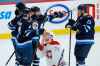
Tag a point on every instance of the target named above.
point(11, 54)
point(9, 58)
point(60, 58)
point(70, 34)
point(70, 42)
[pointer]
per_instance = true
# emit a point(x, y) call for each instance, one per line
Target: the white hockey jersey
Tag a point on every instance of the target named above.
point(53, 52)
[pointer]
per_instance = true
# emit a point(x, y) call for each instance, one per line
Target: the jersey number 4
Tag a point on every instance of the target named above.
point(49, 54)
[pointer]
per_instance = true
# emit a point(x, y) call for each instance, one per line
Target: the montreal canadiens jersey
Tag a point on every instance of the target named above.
point(53, 53)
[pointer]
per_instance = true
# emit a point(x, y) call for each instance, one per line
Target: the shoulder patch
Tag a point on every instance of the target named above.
point(89, 22)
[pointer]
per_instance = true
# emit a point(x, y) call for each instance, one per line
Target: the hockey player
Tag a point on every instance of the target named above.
point(84, 27)
point(52, 50)
point(36, 30)
point(34, 33)
point(23, 46)
point(13, 24)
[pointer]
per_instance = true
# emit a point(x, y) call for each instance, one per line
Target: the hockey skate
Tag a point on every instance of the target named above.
point(80, 65)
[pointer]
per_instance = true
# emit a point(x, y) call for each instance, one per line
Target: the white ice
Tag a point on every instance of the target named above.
point(6, 49)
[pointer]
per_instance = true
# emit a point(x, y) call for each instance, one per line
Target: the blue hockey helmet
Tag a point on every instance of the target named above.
point(83, 7)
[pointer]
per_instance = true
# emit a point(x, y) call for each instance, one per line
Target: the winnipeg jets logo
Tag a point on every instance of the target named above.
point(58, 13)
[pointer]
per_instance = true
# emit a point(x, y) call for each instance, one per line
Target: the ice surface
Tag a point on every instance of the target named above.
point(6, 49)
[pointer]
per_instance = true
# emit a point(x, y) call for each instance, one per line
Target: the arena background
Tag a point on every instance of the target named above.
point(7, 8)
